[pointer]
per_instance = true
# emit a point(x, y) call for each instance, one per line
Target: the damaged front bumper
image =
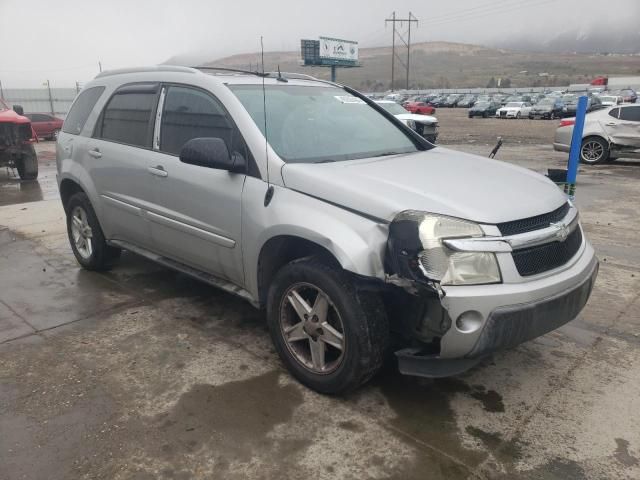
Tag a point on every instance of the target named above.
point(488, 318)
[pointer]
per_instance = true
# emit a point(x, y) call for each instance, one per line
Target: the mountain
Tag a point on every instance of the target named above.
point(452, 65)
point(607, 40)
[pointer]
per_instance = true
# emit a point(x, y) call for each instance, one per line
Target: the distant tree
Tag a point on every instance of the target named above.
point(492, 83)
point(506, 82)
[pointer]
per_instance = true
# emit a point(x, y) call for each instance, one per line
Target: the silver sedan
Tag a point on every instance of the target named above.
point(609, 134)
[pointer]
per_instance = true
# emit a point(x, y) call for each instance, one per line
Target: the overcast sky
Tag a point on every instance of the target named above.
point(63, 40)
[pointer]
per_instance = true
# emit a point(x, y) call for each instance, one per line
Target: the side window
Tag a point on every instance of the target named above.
point(81, 109)
point(631, 114)
point(614, 112)
point(189, 113)
point(127, 118)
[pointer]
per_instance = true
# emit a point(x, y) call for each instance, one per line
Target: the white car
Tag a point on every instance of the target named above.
point(425, 125)
point(610, 100)
point(514, 110)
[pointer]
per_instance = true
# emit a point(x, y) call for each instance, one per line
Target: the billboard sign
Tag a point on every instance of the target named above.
point(336, 49)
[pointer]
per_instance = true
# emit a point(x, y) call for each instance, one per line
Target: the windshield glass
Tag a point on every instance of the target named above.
point(321, 124)
point(481, 104)
point(3, 106)
point(514, 104)
point(546, 101)
point(393, 108)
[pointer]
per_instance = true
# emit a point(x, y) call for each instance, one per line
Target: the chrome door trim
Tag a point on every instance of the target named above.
point(156, 127)
point(127, 207)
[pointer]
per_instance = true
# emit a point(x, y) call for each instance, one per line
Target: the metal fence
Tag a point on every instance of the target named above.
point(56, 101)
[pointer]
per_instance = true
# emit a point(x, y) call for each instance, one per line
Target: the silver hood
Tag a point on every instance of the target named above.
point(438, 180)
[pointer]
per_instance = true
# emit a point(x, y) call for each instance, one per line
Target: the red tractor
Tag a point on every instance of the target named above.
point(16, 142)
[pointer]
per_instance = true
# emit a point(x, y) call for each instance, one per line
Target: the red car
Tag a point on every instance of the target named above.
point(45, 125)
point(420, 108)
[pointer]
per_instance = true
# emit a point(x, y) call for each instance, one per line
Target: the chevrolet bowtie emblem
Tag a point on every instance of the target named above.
point(562, 230)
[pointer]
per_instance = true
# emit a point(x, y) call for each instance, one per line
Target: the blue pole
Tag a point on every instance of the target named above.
point(576, 145)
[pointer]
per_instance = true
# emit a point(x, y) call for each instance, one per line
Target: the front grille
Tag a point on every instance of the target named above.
point(533, 223)
point(541, 258)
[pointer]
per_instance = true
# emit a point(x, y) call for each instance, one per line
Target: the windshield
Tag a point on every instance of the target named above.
point(3, 106)
point(514, 104)
point(546, 101)
point(570, 99)
point(311, 124)
point(481, 104)
point(393, 108)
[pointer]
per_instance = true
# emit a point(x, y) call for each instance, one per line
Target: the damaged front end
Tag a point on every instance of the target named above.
point(16, 148)
point(419, 262)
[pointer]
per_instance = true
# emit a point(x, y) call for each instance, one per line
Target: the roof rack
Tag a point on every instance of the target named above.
point(157, 68)
point(287, 75)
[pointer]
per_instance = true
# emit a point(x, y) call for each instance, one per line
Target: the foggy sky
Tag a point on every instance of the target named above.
point(63, 40)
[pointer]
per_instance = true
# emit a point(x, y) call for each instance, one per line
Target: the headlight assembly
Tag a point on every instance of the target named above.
point(416, 241)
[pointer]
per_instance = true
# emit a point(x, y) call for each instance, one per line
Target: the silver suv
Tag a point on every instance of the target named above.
point(310, 200)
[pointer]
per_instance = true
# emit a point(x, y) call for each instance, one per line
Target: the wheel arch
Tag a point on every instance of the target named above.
point(68, 188)
point(282, 249)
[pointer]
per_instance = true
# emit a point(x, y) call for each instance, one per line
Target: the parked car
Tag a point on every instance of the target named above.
point(628, 95)
point(16, 142)
point(439, 101)
point(514, 110)
point(610, 100)
point(420, 108)
point(452, 100)
point(347, 228)
point(424, 125)
point(45, 125)
point(550, 108)
point(467, 101)
point(484, 109)
point(571, 104)
point(608, 134)
point(512, 99)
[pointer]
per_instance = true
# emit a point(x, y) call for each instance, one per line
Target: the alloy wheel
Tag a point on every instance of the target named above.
point(312, 328)
point(81, 232)
point(592, 151)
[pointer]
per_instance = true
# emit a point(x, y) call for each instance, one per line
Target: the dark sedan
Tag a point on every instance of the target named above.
point(484, 109)
point(547, 108)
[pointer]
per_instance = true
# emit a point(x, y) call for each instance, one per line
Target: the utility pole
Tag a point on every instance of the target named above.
point(100, 66)
point(1, 91)
point(411, 19)
point(50, 98)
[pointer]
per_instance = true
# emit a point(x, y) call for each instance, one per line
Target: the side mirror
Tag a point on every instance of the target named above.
point(18, 109)
point(212, 152)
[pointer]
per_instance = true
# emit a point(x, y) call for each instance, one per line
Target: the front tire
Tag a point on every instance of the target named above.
point(594, 150)
point(27, 164)
point(331, 336)
point(86, 236)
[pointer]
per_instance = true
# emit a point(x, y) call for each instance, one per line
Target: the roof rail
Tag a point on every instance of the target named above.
point(287, 75)
point(156, 68)
point(231, 70)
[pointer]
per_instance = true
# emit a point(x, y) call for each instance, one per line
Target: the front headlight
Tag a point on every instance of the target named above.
point(438, 262)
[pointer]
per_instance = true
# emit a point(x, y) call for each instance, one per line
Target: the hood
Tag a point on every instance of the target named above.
point(9, 116)
point(438, 180)
point(428, 119)
point(510, 109)
point(542, 108)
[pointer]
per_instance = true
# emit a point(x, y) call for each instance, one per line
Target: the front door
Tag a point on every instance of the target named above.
point(197, 213)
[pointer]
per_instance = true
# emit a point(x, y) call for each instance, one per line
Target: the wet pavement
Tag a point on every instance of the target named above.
point(145, 373)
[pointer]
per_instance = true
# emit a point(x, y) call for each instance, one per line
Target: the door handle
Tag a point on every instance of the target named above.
point(95, 153)
point(158, 170)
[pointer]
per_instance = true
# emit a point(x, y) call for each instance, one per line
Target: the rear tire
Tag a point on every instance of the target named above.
point(300, 329)
point(594, 150)
point(27, 164)
point(86, 236)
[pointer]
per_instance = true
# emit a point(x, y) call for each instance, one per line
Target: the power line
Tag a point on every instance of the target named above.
point(497, 10)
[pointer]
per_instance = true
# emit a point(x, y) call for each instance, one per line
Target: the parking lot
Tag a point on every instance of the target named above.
point(144, 373)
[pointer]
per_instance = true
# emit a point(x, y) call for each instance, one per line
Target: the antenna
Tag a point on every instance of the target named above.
point(269, 194)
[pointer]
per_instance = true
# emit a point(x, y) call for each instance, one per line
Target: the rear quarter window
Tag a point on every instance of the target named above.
point(631, 114)
point(80, 110)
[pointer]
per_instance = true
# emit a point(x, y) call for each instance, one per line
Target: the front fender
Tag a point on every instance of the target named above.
point(357, 242)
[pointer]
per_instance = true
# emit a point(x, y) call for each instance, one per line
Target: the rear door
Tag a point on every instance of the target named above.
point(119, 154)
point(623, 126)
point(196, 215)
